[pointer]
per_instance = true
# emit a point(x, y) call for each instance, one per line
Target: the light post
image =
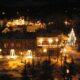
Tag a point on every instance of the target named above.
point(0, 51)
point(66, 22)
point(67, 74)
point(63, 54)
point(50, 41)
point(41, 41)
point(29, 57)
point(1, 54)
point(57, 41)
point(21, 56)
point(67, 71)
point(45, 51)
point(33, 59)
point(12, 54)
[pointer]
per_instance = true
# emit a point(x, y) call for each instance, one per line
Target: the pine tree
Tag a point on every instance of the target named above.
point(72, 38)
point(47, 69)
point(72, 67)
point(24, 74)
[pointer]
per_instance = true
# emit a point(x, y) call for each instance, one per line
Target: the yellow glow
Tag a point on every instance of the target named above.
point(0, 50)
point(14, 57)
point(13, 64)
point(41, 40)
point(5, 30)
point(68, 61)
point(1, 56)
point(21, 53)
point(29, 55)
point(50, 41)
point(29, 51)
point(44, 50)
point(64, 50)
point(67, 71)
point(12, 52)
point(57, 40)
point(66, 22)
point(11, 57)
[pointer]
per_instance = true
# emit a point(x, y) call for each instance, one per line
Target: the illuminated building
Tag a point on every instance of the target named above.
point(50, 43)
point(40, 43)
point(19, 42)
point(21, 23)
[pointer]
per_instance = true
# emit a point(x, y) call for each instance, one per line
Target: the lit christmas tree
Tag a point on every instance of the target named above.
point(72, 38)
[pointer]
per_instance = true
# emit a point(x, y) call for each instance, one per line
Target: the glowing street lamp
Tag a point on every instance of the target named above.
point(57, 41)
point(12, 54)
point(67, 71)
point(45, 50)
point(21, 55)
point(40, 41)
point(64, 51)
point(66, 22)
point(63, 54)
point(0, 51)
point(28, 56)
point(50, 41)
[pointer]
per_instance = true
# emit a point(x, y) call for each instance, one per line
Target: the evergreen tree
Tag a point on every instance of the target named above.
point(72, 38)
point(72, 67)
point(24, 73)
point(47, 71)
point(69, 69)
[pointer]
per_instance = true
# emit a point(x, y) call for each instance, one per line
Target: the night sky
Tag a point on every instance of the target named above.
point(40, 7)
point(22, 3)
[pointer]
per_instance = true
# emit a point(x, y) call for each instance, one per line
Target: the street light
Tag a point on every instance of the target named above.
point(50, 41)
point(63, 54)
point(45, 50)
point(28, 56)
point(0, 51)
point(21, 53)
point(12, 54)
point(57, 41)
point(66, 22)
point(64, 51)
point(67, 71)
point(67, 74)
point(40, 41)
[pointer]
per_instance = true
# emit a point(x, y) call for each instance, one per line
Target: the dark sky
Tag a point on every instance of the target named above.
point(39, 7)
point(21, 3)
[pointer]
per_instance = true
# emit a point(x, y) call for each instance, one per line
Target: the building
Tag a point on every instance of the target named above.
point(18, 41)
